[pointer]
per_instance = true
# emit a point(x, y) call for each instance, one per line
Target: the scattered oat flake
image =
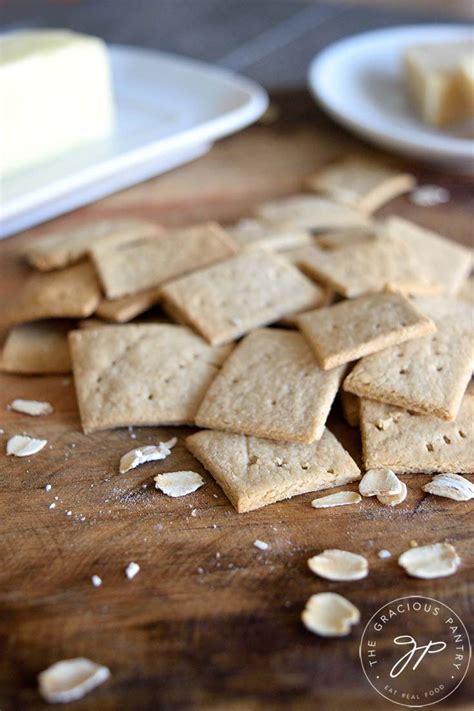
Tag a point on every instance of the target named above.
point(70, 680)
point(384, 553)
point(31, 407)
point(23, 446)
point(131, 570)
point(178, 483)
point(451, 486)
point(429, 195)
point(149, 453)
point(340, 498)
point(335, 564)
point(437, 560)
point(394, 499)
point(330, 615)
point(261, 545)
point(96, 581)
point(380, 482)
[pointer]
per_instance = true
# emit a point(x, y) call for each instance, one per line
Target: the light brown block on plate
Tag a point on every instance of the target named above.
point(58, 249)
point(428, 375)
point(310, 212)
point(256, 233)
point(37, 348)
point(225, 301)
point(131, 267)
point(350, 408)
point(141, 375)
point(367, 267)
point(68, 293)
point(128, 307)
point(256, 472)
point(445, 263)
point(361, 183)
point(405, 442)
point(352, 329)
point(271, 387)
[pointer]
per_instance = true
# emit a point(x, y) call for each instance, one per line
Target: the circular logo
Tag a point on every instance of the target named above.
point(415, 651)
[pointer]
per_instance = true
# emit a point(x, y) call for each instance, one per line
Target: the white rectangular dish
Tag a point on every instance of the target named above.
point(169, 111)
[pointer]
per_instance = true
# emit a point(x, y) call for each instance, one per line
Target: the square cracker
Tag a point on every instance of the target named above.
point(361, 183)
point(140, 264)
point(37, 348)
point(141, 375)
point(310, 212)
point(428, 375)
point(271, 387)
point(406, 442)
point(68, 293)
point(128, 307)
point(256, 233)
point(58, 249)
point(370, 266)
point(255, 472)
point(254, 288)
point(445, 263)
point(352, 329)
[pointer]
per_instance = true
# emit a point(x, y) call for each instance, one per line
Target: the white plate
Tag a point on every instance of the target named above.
point(359, 82)
point(169, 109)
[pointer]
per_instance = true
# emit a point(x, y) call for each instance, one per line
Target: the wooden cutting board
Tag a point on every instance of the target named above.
point(210, 622)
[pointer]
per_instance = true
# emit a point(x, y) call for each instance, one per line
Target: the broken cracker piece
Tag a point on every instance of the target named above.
point(340, 498)
point(437, 560)
point(330, 615)
point(335, 564)
point(380, 482)
point(31, 407)
point(70, 680)
point(149, 453)
point(394, 499)
point(24, 446)
point(179, 483)
point(451, 486)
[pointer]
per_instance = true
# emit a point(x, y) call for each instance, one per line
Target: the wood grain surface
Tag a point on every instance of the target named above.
point(210, 622)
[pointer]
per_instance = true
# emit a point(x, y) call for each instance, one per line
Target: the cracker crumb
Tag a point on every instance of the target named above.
point(384, 554)
point(96, 581)
point(48, 487)
point(261, 545)
point(52, 506)
point(131, 570)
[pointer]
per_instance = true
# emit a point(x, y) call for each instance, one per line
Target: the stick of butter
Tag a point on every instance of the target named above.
point(434, 74)
point(55, 95)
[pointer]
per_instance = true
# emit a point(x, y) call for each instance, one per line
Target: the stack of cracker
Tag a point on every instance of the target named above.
point(262, 325)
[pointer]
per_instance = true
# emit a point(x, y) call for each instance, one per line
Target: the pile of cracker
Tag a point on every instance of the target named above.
point(263, 323)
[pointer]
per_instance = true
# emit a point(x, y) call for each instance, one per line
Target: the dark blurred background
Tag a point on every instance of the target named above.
point(271, 41)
